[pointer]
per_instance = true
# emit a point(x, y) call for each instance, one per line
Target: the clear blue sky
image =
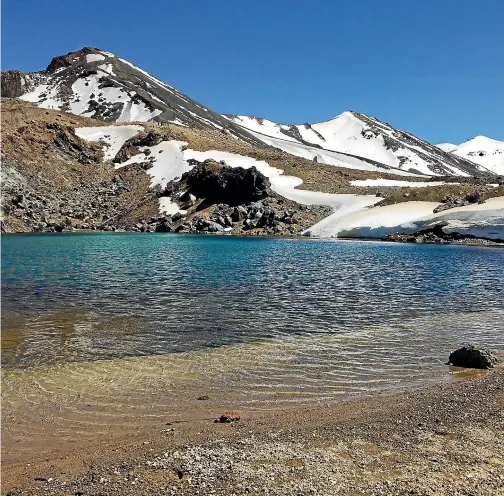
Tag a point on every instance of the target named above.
point(432, 67)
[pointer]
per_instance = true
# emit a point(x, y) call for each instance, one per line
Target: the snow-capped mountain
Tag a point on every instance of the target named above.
point(482, 150)
point(98, 84)
point(447, 147)
point(353, 134)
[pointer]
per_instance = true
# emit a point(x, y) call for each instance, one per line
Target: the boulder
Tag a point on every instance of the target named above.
point(164, 226)
point(239, 213)
point(214, 227)
point(227, 418)
point(449, 202)
point(471, 356)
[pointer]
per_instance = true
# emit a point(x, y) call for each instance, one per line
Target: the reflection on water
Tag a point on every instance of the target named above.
point(338, 312)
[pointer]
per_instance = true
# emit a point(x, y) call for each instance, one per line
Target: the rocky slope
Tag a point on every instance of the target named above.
point(62, 172)
point(52, 180)
point(98, 84)
point(353, 134)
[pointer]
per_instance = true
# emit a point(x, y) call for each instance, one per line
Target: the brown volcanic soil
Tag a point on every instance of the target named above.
point(68, 175)
point(446, 439)
point(66, 172)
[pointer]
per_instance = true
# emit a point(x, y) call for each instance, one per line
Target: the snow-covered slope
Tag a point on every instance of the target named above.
point(447, 147)
point(329, 157)
point(482, 220)
point(353, 215)
point(358, 135)
point(98, 84)
point(170, 159)
point(482, 150)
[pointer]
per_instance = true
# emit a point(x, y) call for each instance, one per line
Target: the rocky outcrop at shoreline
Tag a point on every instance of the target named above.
point(471, 356)
point(436, 235)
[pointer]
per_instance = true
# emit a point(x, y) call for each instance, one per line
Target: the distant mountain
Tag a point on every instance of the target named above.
point(98, 84)
point(482, 150)
point(94, 83)
point(356, 134)
point(447, 147)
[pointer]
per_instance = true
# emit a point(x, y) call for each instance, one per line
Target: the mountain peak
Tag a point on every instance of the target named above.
point(481, 150)
point(98, 84)
point(90, 53)
point(356, 135)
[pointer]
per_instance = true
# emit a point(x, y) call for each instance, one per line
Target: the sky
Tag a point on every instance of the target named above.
point(431, 67)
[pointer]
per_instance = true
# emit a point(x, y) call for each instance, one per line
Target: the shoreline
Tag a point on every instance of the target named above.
point(476, 242)
point(431, 440)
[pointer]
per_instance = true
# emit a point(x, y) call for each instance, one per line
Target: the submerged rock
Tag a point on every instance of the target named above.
point(471, 356)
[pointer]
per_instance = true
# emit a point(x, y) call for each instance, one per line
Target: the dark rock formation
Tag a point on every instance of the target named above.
point(217, 183)
point(436, 235)
point(131, 146)
point(449, 202)
point(69, 59)
point(12, 84)
point(471, 356)
point(227, 418)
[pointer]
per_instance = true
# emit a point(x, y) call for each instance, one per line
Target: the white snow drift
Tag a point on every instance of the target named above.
point(392, 182)
point(482, 220)
point(352, 216)
point(113, 137)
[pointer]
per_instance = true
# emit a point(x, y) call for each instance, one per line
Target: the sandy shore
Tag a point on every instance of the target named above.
point(445, 439)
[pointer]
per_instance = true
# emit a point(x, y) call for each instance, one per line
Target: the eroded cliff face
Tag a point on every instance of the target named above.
point(13, 84)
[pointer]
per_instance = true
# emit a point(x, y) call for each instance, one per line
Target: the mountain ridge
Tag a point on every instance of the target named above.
point(98, 84)
point(357, 134)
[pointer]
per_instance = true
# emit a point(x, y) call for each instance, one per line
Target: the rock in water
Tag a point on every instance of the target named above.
point(471, 356)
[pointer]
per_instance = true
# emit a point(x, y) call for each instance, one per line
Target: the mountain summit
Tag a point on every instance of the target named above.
point(482, 150)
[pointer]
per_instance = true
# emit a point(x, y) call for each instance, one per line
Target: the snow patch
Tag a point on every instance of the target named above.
point(137, 112)
point(169, 162)
point(447, 147)
point(94, 57)
point(482, 220)
point(108, 68)
point(168, 207)
point(112, 136)
point(484, 151)
point(392, 182)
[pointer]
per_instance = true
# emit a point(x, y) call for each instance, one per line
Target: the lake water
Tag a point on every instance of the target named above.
point(298, 314)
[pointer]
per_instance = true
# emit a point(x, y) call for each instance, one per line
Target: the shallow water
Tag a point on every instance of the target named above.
point(298, 318)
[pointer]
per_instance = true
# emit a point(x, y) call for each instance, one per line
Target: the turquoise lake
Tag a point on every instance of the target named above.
point(372, 310)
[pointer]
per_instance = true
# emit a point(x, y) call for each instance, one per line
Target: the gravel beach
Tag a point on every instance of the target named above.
point(446, 439)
